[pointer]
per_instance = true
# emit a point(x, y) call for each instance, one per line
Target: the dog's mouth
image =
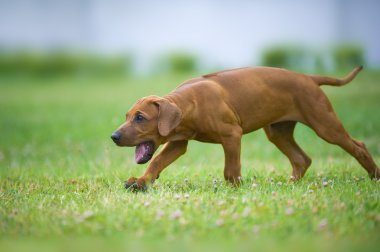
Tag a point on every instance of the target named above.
point(144, 152)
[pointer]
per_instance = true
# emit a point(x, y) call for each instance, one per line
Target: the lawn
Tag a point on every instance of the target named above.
point(61, 177)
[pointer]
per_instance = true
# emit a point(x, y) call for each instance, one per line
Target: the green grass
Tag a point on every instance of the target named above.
point(61, 177)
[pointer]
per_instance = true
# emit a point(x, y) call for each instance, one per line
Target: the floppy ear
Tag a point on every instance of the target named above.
point(169, 116)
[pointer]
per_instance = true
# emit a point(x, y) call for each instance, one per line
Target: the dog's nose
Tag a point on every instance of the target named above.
point(116, 136)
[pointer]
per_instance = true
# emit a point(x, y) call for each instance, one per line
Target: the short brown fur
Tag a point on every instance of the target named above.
point(221, 107)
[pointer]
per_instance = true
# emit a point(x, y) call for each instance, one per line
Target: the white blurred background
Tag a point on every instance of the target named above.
point(221, 33)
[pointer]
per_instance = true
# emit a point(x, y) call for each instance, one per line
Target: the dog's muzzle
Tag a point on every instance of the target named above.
point(116, 136)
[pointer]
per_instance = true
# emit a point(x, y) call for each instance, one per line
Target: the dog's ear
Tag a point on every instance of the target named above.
point(169, 116)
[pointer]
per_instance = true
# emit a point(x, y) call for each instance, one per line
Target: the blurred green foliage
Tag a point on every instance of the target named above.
point(347, 56)
point(182, 62)
point(293, 57)
point(289, 57)
point(62, 63)
point(341, 57)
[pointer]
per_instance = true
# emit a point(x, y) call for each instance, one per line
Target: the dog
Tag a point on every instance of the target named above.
point(221, 107)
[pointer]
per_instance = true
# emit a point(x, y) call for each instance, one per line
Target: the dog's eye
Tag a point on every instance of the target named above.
point(139, 118)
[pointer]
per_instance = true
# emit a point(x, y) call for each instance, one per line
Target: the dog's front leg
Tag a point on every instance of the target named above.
point(231, 147)
point(170, 152)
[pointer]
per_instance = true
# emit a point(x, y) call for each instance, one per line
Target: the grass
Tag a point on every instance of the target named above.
point(61, 177)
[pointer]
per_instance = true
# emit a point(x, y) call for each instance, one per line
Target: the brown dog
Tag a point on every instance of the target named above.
point(221, 107)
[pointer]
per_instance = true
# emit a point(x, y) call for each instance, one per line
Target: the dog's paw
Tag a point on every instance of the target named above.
point(135, 185)
point(129, 182)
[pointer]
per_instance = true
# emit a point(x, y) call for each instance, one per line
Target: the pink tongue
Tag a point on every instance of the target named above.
point(141, 149)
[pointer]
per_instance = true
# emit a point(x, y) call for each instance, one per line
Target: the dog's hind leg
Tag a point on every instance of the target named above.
point(323, 120)
point(281, 134)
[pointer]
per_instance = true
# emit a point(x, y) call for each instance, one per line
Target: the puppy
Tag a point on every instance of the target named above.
point(221, 107)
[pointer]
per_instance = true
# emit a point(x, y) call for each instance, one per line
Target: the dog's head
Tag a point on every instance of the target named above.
point(148, 123)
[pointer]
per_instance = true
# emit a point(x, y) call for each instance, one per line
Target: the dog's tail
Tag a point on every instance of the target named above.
point(323, 80)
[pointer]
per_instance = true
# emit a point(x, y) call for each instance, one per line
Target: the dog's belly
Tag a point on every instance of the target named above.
point(255, 121)
point(206, 138)
point(265, 110)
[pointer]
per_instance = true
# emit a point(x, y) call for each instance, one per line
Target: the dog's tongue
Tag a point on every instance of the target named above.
point(143, 153)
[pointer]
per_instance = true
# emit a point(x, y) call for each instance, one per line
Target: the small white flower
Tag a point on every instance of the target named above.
point(246, 212)
point(186, 180)
point(254, 186)
point(223, 213)
point(325, 183)
point(87, 214)
point(219, 222)
point(341, 206)
point(159, 214)
point(176, 215)
point(186, 196)
point(279, 183)
point(244, 199)
point(292, 178)
point(146, 203)
point(323, 224)
point(310, 191)
point(289, 211)
point(177, 196)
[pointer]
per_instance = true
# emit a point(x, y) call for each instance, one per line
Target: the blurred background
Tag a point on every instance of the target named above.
point(108, 37)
